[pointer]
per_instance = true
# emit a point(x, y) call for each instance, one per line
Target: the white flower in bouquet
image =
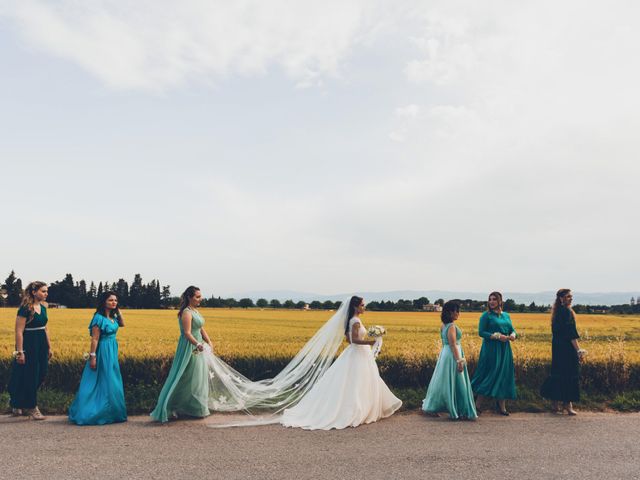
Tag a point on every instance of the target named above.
point(376, 331)
point(86, 356)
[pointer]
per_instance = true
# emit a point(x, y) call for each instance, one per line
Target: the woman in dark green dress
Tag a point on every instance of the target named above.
point(495, 375)
point(563, 383)
point(33, 351)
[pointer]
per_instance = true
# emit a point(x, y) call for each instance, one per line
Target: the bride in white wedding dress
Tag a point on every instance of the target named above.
point(351, 392)
point(312, 391)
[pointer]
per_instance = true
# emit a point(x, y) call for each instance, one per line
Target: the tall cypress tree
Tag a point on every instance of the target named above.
point(122, 290)
point(13, 286)
point(136, 292)
point(92, 295)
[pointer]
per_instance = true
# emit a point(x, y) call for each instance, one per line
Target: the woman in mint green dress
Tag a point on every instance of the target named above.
point(495, 375)
point(450, 388)
point(186, 390)
point(100, 397)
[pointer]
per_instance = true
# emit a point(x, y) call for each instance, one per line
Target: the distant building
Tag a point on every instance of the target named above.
point(56, 305)
point(306, 307)
point(431, 307)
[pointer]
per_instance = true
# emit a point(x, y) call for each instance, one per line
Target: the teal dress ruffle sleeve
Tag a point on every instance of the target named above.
point(100, 397)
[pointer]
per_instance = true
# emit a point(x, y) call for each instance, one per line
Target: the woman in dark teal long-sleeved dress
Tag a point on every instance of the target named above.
point(495, 374)
point(563, 383)
point(33, 351)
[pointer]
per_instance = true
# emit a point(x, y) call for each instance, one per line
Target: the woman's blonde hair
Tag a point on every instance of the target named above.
point(29, 297)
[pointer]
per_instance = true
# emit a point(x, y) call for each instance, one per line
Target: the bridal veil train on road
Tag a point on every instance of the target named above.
point(312, 391)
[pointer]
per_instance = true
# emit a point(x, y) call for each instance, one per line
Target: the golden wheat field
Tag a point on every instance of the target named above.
point(238, 333)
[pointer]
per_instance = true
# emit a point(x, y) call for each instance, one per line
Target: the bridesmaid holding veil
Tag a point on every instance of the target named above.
point(186, 390)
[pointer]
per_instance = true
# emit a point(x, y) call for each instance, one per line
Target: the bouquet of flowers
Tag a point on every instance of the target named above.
point(377, 331)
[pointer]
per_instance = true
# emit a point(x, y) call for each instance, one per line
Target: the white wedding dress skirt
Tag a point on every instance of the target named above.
point(349, 394)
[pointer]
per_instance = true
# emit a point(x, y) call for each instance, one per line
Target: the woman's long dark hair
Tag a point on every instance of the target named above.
point(563, 292)
point(186, 297)
point(448, 309)
point(498, 295)
point(101, 306)
point(354, 303)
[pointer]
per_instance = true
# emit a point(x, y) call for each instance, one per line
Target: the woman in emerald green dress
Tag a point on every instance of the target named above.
point(33, 351)
point(495, 375)
point(186, 390)
point(450, 387)
point(563, 383)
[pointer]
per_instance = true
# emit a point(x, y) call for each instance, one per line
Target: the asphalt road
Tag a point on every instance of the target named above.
point(406, 446)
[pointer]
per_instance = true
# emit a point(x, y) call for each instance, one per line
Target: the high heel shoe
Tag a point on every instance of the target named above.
point(36, 414)
point(504, 412)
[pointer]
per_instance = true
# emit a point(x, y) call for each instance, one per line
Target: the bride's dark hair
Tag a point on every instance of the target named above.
point(354, 303)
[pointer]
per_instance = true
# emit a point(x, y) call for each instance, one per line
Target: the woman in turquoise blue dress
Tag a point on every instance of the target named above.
point(32, 354)
point(495, 374)
point(450, 388)
point(186, 390)
point(100, 397)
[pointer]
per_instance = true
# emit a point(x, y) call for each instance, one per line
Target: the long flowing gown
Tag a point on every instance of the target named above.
point(349, 394)
point(495, 373)
point(449, 390)
point(563, 383)
point(26, 379)
point(186, 390)
point(100, 397)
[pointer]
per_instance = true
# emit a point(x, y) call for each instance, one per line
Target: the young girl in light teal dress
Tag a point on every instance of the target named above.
point(186, 390)
point(100, 397)
point(450, 387)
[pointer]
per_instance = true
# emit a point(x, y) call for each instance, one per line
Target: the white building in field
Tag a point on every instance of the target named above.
point(432, 307)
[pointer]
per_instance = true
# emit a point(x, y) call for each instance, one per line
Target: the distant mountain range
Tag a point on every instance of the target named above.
point(540, 298)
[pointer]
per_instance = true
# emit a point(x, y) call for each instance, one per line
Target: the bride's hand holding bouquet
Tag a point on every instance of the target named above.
point(377, 332)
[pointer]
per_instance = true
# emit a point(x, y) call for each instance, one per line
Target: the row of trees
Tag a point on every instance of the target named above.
point(74, 294)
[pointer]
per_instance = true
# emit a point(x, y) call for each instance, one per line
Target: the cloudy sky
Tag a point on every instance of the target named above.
point(330, 146)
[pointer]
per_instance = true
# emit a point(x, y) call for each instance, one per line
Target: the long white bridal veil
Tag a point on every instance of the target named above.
point(230, 391)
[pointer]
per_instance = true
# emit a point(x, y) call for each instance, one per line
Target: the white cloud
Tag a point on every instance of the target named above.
point(467, 144)
point(159, 44)
point(410, 111)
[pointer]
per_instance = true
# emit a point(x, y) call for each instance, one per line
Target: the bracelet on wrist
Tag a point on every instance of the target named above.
point(92, 354)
